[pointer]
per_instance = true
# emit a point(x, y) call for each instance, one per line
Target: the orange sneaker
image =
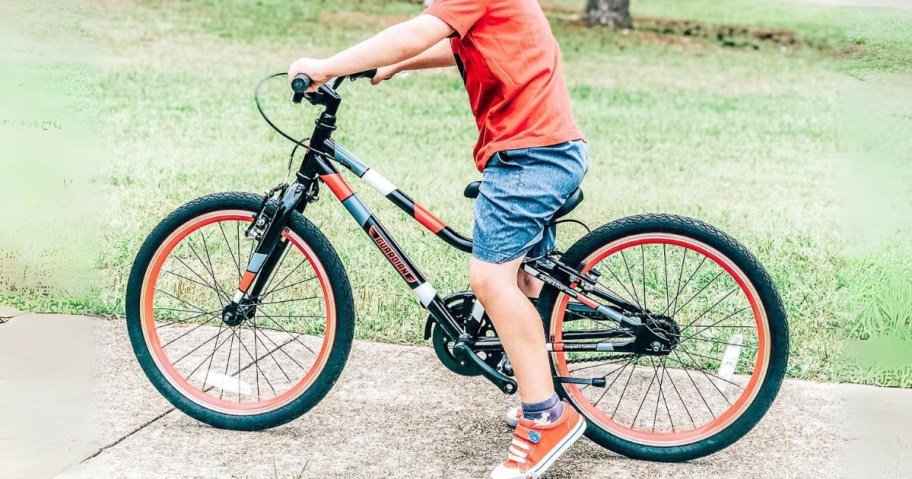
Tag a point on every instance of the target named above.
point(536, 446)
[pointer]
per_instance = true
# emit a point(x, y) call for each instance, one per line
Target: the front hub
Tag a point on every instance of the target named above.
point(236, 314)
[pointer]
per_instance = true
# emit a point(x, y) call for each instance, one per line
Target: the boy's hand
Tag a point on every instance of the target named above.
point(313, 68)
point(384, 73)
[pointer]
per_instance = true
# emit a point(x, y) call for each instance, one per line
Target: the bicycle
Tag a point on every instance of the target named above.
point(663, 331)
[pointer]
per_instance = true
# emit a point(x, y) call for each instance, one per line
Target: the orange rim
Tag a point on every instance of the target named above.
point(675, 438)
point(174, 377)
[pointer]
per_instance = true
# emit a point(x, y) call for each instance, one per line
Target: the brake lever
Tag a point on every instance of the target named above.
point(296, 97)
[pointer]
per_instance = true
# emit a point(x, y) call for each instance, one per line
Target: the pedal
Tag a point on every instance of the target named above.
point(463, 352)
point(597, 382)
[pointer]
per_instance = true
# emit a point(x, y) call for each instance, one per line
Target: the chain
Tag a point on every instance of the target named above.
point(596, 358)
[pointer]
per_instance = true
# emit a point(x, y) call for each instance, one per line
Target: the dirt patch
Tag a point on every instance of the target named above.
point(727, 36)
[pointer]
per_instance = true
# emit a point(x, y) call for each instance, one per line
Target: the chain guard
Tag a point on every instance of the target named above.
point(461, 304)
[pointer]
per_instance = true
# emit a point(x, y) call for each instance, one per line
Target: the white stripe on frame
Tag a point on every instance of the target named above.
point(378, 182)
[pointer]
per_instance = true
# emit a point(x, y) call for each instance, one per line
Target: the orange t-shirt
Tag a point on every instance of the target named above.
point(510, 62)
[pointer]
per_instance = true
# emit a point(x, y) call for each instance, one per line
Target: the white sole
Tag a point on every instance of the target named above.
point(540, 469)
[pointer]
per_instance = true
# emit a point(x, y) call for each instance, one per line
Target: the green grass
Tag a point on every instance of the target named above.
point(758, 142)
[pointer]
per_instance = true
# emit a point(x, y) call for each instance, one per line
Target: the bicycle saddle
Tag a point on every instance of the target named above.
point(575, 198)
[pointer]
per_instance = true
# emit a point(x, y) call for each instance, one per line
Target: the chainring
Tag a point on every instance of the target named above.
point(460, 305)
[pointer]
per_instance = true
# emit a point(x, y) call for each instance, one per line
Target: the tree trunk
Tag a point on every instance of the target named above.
point(609, 13)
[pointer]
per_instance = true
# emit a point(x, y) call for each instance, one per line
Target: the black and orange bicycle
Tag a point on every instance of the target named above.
point(664, 332)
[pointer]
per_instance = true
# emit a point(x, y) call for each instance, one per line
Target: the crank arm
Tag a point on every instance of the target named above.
point(463, 351)
point(597, 382)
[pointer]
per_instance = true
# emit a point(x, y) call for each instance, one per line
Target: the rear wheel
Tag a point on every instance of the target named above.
point(729, 329)
point(269, 363)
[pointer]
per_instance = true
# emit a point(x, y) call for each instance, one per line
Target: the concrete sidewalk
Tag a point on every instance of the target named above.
point(75, 404)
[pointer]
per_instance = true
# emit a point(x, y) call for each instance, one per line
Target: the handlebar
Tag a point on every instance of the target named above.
point(302, 82)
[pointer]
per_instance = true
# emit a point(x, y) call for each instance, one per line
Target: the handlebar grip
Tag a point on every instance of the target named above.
point(365, 74)
point(301, 83)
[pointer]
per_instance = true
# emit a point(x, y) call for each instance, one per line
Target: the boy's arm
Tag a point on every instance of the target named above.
point(389, 47)
point(438, 56)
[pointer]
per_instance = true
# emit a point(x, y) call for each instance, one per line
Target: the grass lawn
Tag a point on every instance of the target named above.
point(799, 148)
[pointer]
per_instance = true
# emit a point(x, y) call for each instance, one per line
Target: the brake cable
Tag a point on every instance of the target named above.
point(298, 143)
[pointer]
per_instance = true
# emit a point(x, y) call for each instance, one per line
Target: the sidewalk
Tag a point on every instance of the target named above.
point(74, 403)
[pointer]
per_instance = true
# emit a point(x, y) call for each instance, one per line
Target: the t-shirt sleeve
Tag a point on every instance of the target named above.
point(461, 15)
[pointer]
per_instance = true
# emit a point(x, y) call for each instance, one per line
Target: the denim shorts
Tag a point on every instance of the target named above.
point(520, 192)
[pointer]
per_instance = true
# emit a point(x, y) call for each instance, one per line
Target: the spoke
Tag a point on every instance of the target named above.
point(686, 371)
point(228, 244)
point(608, 388)
point(678, 284)
point(181, 300)
point(738, 326)
point(287, 286)
point(596, 290)
point(256, 354)
point(288, 301)
point(287, 275)
point(711, 307)
point(188, 332)
point(714, 325)
point(707, 375)
point(220, 292)
point(675, 300)
point(681, 398)
point(228, 363)
point(285, 250)
point(208, 286)
point(256, 366)
point(715, 341)
point(655, 417)
point(211, 269)
point(286, 353)
point(204, 281)
point(624, 391)
point(678, 310)
point(211, 356)
point(632, 282)
point(646, 394)
point(271, 352)
point(178, 310)
point(702, 355)
point(629, 294)
point(184, 321)
point(703, 370)
point(664, 399)
point(292, 335)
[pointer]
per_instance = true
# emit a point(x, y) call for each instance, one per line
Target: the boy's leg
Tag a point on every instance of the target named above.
point(518, 326)
point(528, 284)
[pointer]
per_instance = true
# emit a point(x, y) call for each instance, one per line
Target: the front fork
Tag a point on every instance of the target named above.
point(272, 246)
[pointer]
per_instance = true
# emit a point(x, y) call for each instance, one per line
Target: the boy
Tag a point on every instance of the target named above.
point(532, 156)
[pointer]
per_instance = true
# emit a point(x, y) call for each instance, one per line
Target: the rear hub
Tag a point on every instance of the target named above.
point(657, 336)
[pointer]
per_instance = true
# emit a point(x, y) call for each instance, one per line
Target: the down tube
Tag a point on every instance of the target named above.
point(422, 289)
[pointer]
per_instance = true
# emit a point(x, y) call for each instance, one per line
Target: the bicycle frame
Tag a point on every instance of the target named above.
point(317, 166)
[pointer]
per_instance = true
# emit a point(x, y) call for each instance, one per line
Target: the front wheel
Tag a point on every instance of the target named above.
point(255, 370)
point(729, 349)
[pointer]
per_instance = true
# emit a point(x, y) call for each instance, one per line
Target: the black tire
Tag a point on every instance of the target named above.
point(332, 364)
point(615, 233)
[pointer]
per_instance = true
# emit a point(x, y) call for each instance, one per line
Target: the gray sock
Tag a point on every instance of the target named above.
point(546, 411)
